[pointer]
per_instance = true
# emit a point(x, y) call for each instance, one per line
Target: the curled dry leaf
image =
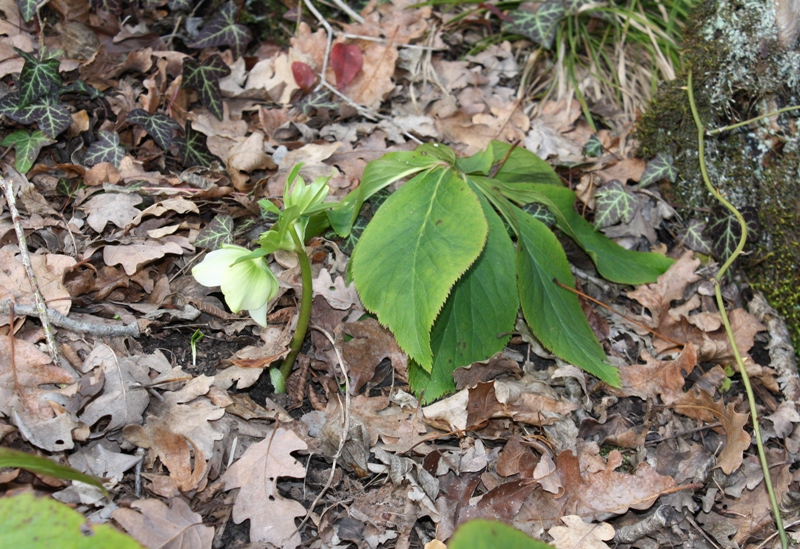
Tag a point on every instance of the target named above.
point(156, 525)
point(701, 405)
point(661, 377)
point(245, 157)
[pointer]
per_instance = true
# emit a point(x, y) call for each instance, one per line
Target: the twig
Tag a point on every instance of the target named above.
point(349, 11)
point(664, 516)
point(41, 309)
point(324, 22)
point(751, 399)
point(77, 326)
point(345, 427)
point(702, 532)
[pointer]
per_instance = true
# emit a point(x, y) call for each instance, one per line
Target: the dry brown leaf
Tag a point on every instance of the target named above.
point(370, 344)
point(657, 377)
point(256, 473)
point(49, 270)
point(485, 370)
point(581, 535)
point(670, 286)
point(179, 205)
point(516, 458)
point(119, 209)
point(336, 293)
point(174, 527)
point(133, 257)
point(245, 157)
point(701, 405)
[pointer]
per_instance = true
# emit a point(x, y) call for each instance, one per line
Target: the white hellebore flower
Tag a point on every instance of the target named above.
point(249, 284)
point(305, 197)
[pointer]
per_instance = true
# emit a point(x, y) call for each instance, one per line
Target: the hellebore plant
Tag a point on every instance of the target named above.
point(244, 276)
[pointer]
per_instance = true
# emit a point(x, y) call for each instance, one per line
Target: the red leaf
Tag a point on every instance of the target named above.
point(346, 62)
point(304, 76)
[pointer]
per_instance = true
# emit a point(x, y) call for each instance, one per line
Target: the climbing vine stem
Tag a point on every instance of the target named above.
point(726, 322)
point(305, 307)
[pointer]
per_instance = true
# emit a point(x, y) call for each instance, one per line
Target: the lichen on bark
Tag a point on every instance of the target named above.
point(741, 70)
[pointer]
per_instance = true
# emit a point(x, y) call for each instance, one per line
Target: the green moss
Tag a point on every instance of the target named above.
point(740, 71)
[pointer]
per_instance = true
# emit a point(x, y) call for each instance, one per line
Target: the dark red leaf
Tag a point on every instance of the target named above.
point(346, 62)
point(304, 76)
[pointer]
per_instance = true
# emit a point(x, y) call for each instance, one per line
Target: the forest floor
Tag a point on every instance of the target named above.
point(178, 415)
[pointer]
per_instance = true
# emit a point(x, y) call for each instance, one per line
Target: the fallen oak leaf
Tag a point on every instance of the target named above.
point(699, 404)
point(256, 474)
point(577, 533)
point(662, 377)
point(157, 525)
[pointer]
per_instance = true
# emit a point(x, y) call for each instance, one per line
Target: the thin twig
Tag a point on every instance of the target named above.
point(349, 11)
point(345, 427)
point(77, 326)
point(41, 308)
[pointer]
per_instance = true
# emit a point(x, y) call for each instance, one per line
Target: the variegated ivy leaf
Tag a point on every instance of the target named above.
point(613, 203)
point(693, 237)
point(105, 149)
point(52, 118)
point(158, 126)
point(224, 30)
point(540, 212)
point(216, 233)
point(180, 5)
point(724, 230)
point(661, 167)
point(193, 149)
point(539, 26)
point(313, 102)
point(79, 86)
point(27, 9)
point(111, 6)
point(574, 6)
point(204, 77)
point(593, 148)
point(37, 79)
point(27, 147)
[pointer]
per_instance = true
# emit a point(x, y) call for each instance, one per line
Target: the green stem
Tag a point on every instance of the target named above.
point(751, 120)
point(305, 307)
point(751, 399)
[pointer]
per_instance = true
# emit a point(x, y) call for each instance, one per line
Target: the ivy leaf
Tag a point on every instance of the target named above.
point(553, 313)
point(27, 9)
point(79, 86)
point(541, 212)
point(224, 30)
point(204, 77)
point(158, 126)
point(27, 147)
point(694, 237)
point(346, 61)
point(541, 25)
point(593, 147)
point(613, 203)
point(216, 233)
point(37, 79)
point(724, 230)
point(313, 102)
point(436, 229)
point(661, 167)
point(304, 77)
point(180, 5)
point(52, 118)
point(193, 149)
point(105, 149)
point(482, 304)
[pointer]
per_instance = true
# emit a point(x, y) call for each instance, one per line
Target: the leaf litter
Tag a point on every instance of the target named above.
point(176, 156)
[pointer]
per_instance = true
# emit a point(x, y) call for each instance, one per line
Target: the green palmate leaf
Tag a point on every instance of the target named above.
point(216, 233)
point(204, 77)
point(105, 149)
point(224, 30)
point(37, 79)
point(522, 166)
point(541, 25)
point(378, 175)
point(420, 242)
point(661, 167)
point(31, 522)
point(52, 118)
point(481, 308)
point(614, 204)
point(593, 147)
point(27, 9)
point(27, 147)
point(492, 534)
point(693, 237)
point(43, 466)
point(193, 149)
point(613, 262)
point(159, 126)
point(541, 212)
point(553, 313)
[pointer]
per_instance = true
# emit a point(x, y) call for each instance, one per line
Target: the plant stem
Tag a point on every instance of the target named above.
point(751, 120)
point(751, 399)
point(305, 307)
